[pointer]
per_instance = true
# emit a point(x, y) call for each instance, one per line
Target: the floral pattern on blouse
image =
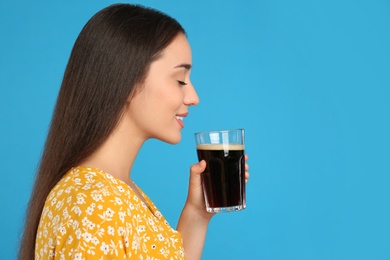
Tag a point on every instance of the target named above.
point(89, 214)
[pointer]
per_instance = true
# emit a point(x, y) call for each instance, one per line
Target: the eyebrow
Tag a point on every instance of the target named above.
point(184, 65)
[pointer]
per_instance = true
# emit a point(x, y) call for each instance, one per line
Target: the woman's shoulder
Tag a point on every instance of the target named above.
point(87, 180)
point(84, 188)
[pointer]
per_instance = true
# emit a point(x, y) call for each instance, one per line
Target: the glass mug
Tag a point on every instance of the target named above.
point(223, 180)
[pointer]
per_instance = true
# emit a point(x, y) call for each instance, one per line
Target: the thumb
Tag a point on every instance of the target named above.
point(198, 168)
point(195, 173)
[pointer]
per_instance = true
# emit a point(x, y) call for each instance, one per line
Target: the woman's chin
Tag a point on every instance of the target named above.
point(174, 139)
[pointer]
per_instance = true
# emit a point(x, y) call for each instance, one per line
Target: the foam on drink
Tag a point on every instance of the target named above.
point(220, 147)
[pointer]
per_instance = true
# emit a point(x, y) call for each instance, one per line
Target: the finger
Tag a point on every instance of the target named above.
point(247, 175)
point(246, 157)
point(198, 168)
point(246, 167)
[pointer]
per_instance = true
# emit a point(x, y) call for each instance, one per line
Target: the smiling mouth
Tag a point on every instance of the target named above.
point(179, 119)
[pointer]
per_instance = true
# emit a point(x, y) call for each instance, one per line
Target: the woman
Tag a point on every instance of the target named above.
point(127, 80)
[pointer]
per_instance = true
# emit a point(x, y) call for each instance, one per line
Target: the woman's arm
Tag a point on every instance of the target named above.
point(194, 218)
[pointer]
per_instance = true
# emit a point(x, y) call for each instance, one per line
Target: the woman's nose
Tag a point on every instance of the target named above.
point(191, 97)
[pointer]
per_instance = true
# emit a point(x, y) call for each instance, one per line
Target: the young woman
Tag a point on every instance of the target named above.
point(127, 80)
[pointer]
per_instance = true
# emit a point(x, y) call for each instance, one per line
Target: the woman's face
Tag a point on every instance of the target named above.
point(158, 109)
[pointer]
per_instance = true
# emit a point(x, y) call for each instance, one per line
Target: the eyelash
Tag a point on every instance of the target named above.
point(182, 83)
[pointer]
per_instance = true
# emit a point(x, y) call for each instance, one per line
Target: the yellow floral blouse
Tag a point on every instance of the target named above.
point(89, 214)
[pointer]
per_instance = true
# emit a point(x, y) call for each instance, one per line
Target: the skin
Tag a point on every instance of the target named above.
point(153, 113)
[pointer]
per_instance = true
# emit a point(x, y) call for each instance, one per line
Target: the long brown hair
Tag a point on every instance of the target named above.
point(110, 57)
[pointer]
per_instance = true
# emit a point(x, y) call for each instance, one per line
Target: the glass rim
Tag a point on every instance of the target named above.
point(220, 131)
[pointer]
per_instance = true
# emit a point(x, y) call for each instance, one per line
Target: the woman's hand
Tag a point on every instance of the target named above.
point(195, 197)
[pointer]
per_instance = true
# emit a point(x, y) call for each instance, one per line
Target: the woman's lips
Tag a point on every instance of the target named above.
point(180, 117)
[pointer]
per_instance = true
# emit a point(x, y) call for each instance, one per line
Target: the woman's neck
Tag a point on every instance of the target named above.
point(117, 154)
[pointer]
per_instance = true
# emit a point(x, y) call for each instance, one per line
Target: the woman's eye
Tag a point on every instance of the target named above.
point(182, 83)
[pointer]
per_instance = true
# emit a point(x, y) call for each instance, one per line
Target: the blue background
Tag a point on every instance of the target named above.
point(308, 80)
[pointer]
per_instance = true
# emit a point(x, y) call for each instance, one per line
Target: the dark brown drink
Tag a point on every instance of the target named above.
point(224, 177)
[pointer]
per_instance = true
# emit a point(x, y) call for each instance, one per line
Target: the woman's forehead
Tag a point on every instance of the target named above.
point(178, 52)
